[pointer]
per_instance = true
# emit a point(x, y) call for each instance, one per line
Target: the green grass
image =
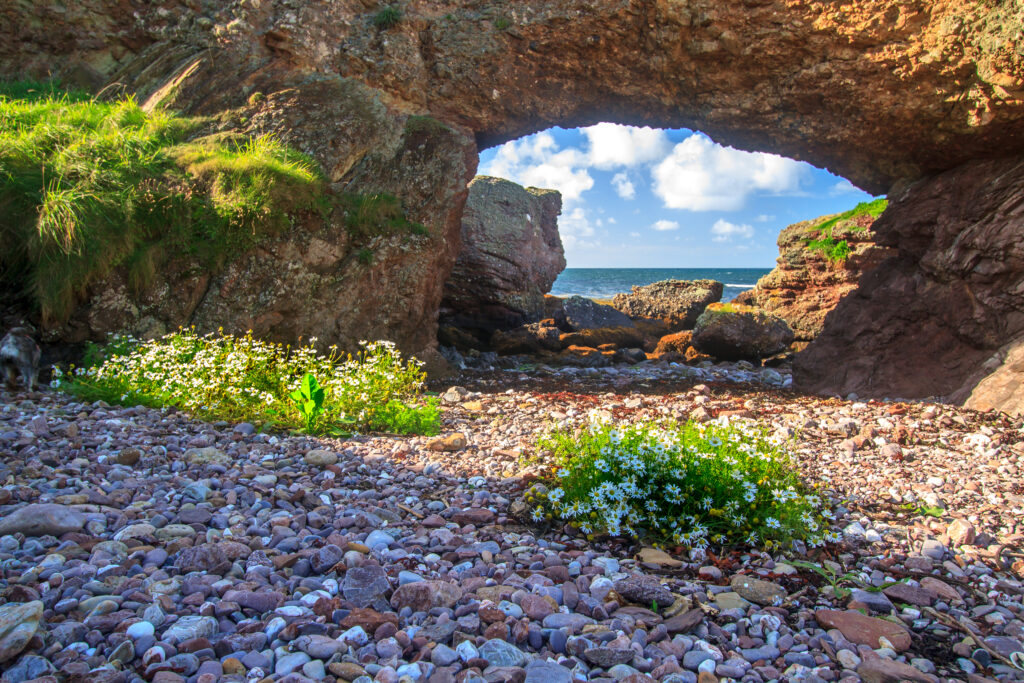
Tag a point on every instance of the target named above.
point(222, 377)
point(834, 249)
point(389, 17)
point(87, 186)
point(370, 215)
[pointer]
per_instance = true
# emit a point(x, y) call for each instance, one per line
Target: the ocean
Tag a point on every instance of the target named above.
point(604, 283)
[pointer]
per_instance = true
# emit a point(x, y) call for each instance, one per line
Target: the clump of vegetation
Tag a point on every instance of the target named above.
point(222, 377)
point(87, 186)
point(502, 23)
point(370, 215)
point(835, 249)
point(389, 17)
point(687, 485)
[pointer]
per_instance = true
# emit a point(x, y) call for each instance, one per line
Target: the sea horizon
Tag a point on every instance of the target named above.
point(605, 283)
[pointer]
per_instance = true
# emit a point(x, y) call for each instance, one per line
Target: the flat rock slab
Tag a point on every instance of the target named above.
point(19, 622)
point(864, 630)
point(882, 670)
point(758, 591)
point(41, 519)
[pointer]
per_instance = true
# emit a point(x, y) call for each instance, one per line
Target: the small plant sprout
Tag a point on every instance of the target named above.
point(310, 399)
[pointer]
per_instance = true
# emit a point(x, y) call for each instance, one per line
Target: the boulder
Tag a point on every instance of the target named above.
point(735, 332)
point(532, 338)
point(510, 256)
point(618, 337)
point(579, 313)
point(805, 284)
point(677, 302)
point(586, 357)
point(674, 343)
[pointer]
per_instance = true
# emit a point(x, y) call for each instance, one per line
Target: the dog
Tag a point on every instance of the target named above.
point(19, 353)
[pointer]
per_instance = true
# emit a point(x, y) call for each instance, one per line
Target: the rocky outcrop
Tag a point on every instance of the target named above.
point(510, 256)
point(947, 309)
point(677, 302)
point(735, 332)
point(579, 313)
point(882, 93)
point(317, 280)
point(806, 284)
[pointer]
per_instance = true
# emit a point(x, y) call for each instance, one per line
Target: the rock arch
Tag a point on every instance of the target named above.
point(895, 96)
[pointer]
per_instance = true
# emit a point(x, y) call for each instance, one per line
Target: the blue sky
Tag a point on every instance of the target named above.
point(642, 197)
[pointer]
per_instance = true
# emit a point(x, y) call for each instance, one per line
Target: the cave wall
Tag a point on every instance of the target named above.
point(947, 308)
point(888, 94)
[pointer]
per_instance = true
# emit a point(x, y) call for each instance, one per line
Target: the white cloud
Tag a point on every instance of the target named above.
point(724, 231)
point(843, 187)
point(575, 228)
point(537, 161)
point(765, 218)
point(613, 145)
point(623, 187)
point(635, 235)
point(663, 225)
point(699, 175)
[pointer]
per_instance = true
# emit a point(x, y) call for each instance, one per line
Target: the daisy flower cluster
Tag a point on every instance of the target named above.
point(219, 376)
point(692, 485)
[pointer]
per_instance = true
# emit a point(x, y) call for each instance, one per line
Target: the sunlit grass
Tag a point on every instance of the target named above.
point(88, 185)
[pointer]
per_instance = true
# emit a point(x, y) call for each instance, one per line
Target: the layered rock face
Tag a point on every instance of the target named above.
point(677, 302)
point(947, 309)
point(882, 93)
point(806, 285)
point(511, 254)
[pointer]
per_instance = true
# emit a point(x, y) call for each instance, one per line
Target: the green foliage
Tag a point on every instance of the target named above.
point(309, 398)
point(87, 186)
point(371, 215)
point(831, 248)
point(838, 581)
point(836, 249)
point(924, 510)
point(365, 256)
point(502, 23)
point(243, 379)
point(388, 17)
point(689, 484)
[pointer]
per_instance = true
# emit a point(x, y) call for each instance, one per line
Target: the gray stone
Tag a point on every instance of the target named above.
point(607, 657)
point(41, 519)
point(19, 622)
point(501, 653)
point(189, 627)
point(363, 585)
point(758, 591)
point(540, 671)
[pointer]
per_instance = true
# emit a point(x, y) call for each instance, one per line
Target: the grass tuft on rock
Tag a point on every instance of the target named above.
point(87, 186)
point(832, 248)
point(223, 377)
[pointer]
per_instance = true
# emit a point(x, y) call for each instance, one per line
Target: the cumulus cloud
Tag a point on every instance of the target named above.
point(611, 145)
point(664, 226)
point(699, 175)
point(724, 231)
point(843, 187)
point(575, 228)
point(537, 161)
point(623, 186)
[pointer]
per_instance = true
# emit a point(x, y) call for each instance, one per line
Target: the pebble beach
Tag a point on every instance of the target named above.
point(142, 545)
